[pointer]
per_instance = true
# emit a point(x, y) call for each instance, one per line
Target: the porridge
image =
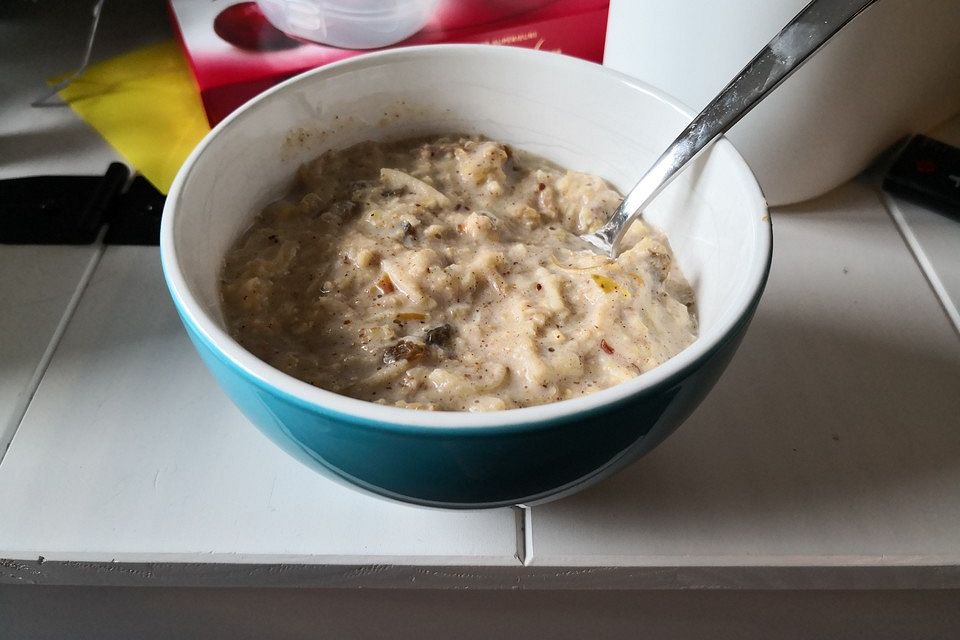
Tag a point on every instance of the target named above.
point(446, 273)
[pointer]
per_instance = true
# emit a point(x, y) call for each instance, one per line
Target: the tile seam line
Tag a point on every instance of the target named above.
point(521, 519)
point(528, 536)
point(523, 523)
point(41, 369)
point(519, 548)
point(949, 306)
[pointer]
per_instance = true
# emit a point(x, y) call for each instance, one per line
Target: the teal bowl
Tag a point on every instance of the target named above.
point(575, 113)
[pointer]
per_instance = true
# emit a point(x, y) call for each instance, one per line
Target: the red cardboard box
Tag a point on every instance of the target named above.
point(235, 53)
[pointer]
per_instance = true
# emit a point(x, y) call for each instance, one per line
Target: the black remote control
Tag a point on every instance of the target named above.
point(927, 172)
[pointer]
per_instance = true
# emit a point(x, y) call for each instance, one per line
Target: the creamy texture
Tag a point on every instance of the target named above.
point(446, 273)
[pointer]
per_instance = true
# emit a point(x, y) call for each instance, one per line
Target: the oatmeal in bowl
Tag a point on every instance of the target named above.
point(446, 274)
point(299, 243)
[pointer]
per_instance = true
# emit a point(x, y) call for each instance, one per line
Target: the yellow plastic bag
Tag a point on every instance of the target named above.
point(145, 104)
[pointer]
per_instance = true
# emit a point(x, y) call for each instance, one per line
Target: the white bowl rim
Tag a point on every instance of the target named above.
point(355, 410)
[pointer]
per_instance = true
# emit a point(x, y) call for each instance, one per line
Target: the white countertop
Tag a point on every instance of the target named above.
point(828, 454)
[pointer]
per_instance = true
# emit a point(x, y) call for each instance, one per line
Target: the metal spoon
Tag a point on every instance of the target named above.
point(801, 38)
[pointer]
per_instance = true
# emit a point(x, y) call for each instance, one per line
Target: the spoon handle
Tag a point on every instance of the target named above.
point(802, 37)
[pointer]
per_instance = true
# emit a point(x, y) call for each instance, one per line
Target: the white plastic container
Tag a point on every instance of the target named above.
point(894, 70)
point(351, 24)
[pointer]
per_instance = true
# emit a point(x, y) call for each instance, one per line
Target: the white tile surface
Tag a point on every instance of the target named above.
point(832, 439)
point(130, 451)
point(934, 238)
point(36, 287)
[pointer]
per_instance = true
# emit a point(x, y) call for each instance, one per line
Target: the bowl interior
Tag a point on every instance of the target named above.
point(576, 114)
